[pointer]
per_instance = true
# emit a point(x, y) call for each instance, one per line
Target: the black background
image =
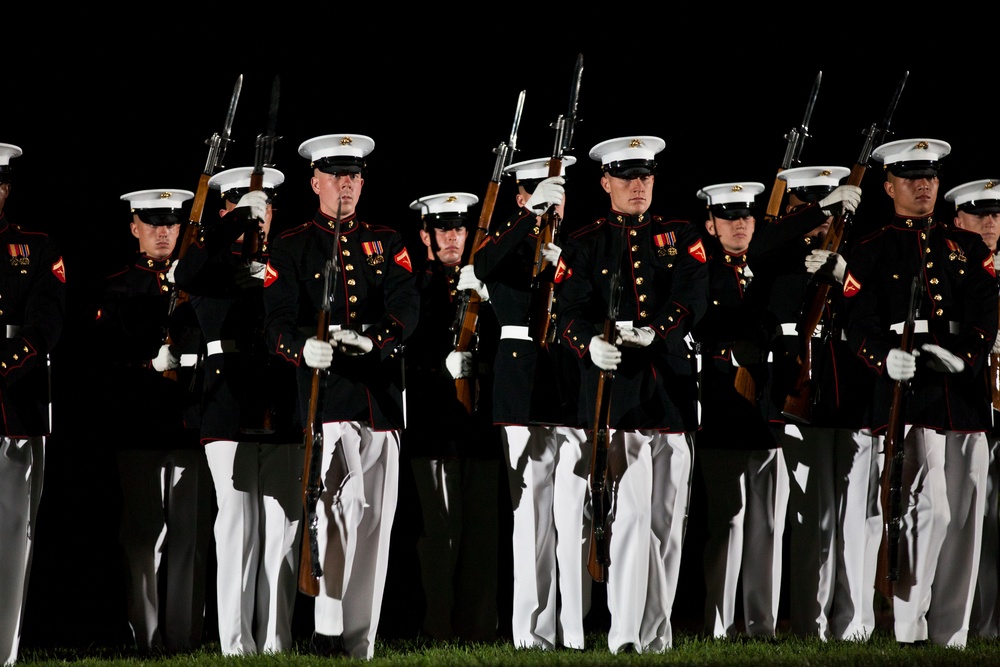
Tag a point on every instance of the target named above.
point(118, 111)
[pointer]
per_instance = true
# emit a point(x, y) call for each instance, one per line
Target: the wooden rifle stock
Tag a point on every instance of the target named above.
point(993, 377)
point(310, 568)
point(887, 567)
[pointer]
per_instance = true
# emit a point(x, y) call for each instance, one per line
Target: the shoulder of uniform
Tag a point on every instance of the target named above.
point(660, 220)
point(298, 229)
point(587, 229)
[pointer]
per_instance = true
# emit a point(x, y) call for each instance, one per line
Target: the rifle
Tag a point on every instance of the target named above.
point(597, 561)
point(466, 326)
point(256, 414)
point(542, 282)
point(310, 568)
point(798, 402)
point(253, 242)
point(217, 145)
point(887, 568)
point(796, 137)
point(993, 378)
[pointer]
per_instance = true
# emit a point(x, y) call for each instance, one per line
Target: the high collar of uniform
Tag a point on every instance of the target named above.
point(348, 224)
point(734, 258)
point(146, 262)
point(913, 223)
point(639, 220)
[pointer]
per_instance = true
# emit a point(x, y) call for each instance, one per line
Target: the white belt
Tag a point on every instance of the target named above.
point(220, 346)
point(189, 360)
point(520, 333)
point(624, 324)
point(920, 326)
point(338, 327)
point(789, 329)
point(13, 330)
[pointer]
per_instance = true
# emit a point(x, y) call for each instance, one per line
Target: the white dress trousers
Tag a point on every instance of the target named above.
point(166, 533)
point(985, 618)
point(943, 501)
point(22, 467)
point(360, 474)
point(258, 490)
point(747, 492)
point(650, 474)
point(548, 469)
point(834, 530)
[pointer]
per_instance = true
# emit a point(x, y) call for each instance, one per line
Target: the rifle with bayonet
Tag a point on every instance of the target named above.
point(542, 275)
point(310, 568)
point(798, 402)
point(466, 326)
point(253, 240)
point(796, 137)
point(217, 145)
point(887, 566)
point(597, 561)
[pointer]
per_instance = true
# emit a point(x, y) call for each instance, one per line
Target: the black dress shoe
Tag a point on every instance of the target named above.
point(627, 649)
point(327, 646)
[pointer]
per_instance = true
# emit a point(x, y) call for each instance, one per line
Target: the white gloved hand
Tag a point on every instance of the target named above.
point(467, 280)
point(351, 343)
point(827, 263)
point(317, 353)
point(634, 337)
point(249, 276)
point(843, 197)
point(459, 364)
point(551, 253)
point(996, 344)
point(165, 360)
point(604, 355)
point(257, 203)
point(941, 359)
point(547, 194)
point(900, 365)
point(172, 270)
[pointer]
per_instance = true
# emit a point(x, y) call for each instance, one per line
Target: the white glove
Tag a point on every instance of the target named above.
point(604, 355)
point(459, 364)
point(171, 270)
point(551, 252)
point(843, 197)
point(467, 280)
point(317, 353)
point(165, 360)
point(941, 359)
point(900, 365)
point(634, 337)
point(547, 194)
point(256, 201)
point(351, 343)
point(250, 276)
point(827, 263)
point(996, 344)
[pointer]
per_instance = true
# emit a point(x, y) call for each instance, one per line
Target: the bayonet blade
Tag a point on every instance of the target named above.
point(227, 128)
point(812, 103)
point(517, 122)
point(895, 101)
point(574, 98)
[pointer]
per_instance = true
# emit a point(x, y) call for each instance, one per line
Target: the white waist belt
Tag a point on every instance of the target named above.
point(520, 333)
point(189, 360)
point(338, 327)
point(789, 329)
point(13, 331)
point(920, 326)
point(220, 346)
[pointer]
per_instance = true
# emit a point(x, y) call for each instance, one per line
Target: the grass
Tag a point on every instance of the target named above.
point(689, 649)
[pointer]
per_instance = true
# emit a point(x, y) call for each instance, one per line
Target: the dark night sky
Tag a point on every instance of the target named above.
point(105, 121)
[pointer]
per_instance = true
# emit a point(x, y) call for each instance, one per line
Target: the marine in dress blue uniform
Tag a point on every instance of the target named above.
point(374, 309)
point(745, 485)
point(977, 208)
point(947, 406)
point(453, 453)
point(155, 384)
point(830, 457)
point(654, 396)
point(250, 425)
point(535, 401)
point(33, 288)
